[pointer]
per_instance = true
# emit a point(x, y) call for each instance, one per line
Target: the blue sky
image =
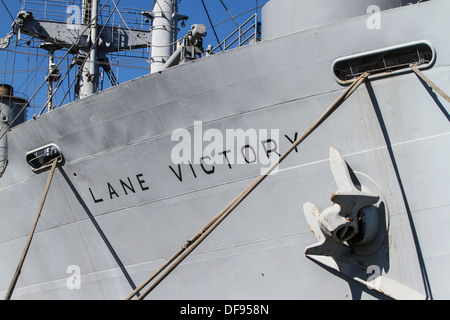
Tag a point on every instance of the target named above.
point(24, 81)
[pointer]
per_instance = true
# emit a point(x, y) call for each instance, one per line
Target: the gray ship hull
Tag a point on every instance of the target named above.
point(393, 132)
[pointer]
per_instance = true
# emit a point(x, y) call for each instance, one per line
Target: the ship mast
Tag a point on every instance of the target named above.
point(164, 32)
point(82, 36)
point(53, 73)
point(89, 75)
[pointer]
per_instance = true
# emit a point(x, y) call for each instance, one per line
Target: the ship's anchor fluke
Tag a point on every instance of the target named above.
point(337, 226)
point(352, 233)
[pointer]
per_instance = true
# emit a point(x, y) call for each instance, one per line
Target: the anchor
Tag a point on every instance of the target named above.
point(351, 219)
point(351, 231)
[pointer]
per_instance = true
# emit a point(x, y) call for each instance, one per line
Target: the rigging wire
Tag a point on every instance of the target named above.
point(9, 12)
point(6, 65)
point(46, 78)
point(80, 69)
point(229, 12)
point(68, 79)
point(130, 59)
point(14, 61)
point(212, 26)
point(136, 36)
point(29, 78)
point(12, 81)
point(28, 75)
point(4, 78)
point(35, 82)
point(241, 14)
point(148, 44)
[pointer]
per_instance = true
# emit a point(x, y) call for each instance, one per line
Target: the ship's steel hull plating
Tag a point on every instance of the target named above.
point(118, 190)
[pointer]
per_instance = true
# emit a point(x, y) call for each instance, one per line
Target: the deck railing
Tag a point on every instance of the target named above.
point(246, 33)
